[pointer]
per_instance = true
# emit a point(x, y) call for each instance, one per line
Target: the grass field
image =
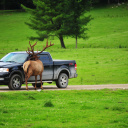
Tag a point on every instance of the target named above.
point(101, 59)
point(64, 109)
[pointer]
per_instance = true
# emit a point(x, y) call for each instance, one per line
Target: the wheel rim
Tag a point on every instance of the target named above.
point(16, 82)
point(63, 80)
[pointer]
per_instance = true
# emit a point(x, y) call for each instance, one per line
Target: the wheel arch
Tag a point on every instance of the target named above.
point(66, 71)
point(19, 73)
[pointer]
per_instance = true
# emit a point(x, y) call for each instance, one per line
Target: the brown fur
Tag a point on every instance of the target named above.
point(33, 68)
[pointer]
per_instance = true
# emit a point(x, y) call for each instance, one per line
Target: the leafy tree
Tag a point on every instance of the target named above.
point(57, 18)
point(78, 21)
point(47, 19)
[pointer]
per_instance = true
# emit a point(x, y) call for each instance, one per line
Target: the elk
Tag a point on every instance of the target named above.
point(34, 66)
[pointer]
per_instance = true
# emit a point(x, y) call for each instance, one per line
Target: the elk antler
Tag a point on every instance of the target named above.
point(31, 52)
point(44, 47)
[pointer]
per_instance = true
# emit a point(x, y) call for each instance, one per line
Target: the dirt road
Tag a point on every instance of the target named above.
point(71, 87)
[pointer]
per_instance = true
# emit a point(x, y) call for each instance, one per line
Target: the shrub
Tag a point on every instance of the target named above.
point(48, 104)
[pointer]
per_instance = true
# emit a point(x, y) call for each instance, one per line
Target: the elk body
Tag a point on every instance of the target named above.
point(34, 66)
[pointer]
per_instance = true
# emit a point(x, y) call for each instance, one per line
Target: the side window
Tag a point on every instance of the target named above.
point(44, 58)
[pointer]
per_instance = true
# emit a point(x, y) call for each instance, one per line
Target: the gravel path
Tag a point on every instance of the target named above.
point(71, 87)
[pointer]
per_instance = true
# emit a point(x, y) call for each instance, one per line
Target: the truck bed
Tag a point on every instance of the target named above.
point(63, 62)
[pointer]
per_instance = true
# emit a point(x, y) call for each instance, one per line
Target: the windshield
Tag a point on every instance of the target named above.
point(15, 57)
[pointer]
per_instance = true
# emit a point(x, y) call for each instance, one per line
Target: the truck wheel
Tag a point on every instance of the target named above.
point(62, 81)
point(38, 85)
point(15, 82)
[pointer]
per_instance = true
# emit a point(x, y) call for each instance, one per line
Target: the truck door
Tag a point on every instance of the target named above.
point(48, 67)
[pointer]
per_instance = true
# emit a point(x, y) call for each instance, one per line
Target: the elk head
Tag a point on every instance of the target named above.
point(33, 54)
point(34, 66)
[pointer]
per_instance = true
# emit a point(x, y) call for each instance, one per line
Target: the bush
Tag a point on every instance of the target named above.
point(48, 104)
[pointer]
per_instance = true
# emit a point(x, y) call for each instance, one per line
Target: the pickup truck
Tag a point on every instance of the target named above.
point(12, 74)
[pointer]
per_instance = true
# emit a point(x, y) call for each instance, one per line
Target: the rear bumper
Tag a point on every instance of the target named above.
point(73, 75)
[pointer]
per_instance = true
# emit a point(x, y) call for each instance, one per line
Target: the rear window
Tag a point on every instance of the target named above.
point(44, 58)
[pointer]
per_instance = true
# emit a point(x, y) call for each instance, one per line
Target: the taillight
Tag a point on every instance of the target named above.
point(75, 66)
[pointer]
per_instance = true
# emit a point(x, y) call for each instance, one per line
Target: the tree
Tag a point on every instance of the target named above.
point(54, 18)
point(78, 21)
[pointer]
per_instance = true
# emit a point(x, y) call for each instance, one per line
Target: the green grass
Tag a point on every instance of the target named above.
point(109, 28)
point(102, 59)
point(60, 109)
point(97, 66)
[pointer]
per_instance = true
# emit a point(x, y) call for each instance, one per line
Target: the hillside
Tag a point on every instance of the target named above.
point(101, 59)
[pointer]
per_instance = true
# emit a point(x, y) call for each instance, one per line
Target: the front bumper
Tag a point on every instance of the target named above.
point(4, 78)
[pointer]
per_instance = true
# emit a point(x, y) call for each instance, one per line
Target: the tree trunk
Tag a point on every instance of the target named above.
point(62, 41)
point(76, 41)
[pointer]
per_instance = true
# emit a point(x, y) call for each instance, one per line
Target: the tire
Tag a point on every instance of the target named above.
point(15, 82)
point(62, 81)
point(38, 85)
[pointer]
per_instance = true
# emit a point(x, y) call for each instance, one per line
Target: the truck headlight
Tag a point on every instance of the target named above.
point(4, 70)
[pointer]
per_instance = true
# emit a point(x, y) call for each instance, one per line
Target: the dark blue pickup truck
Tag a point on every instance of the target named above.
point(12, 74)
